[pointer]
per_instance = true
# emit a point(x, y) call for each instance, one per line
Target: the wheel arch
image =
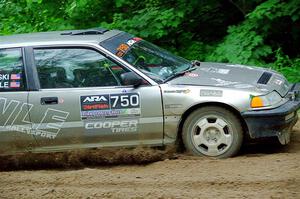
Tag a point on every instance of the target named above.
point(219, 104)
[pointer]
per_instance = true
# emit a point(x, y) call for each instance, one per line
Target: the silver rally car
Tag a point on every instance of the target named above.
point(106, 88)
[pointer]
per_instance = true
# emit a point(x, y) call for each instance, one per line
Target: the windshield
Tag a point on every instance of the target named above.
point(152, 60)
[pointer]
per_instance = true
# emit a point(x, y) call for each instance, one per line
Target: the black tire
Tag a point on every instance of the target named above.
point(212, 131)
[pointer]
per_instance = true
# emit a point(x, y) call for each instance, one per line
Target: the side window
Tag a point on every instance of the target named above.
point(74, 67)
point(12, 76)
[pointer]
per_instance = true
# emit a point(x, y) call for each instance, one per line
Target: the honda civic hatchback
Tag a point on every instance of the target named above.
point(99, 88)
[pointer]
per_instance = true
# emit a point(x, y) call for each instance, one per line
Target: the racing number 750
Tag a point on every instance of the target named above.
point(125, 100)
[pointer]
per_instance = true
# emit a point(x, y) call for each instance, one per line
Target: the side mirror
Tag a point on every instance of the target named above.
point(131, 78)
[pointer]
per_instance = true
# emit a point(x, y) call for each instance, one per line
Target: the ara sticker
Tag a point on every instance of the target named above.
point(110, 105)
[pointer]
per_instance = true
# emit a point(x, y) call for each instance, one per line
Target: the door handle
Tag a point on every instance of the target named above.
point(49, 100)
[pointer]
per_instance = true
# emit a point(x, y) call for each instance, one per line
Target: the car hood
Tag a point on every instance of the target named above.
point(235, 76)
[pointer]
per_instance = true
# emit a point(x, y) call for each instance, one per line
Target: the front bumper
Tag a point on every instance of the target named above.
point(274, 122)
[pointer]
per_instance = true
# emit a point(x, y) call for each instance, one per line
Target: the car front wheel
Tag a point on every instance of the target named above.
point(212, 131)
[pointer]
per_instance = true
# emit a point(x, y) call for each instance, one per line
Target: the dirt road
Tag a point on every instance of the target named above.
point(259, 172)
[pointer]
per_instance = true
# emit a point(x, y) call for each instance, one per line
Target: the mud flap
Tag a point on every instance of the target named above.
point(284, 137)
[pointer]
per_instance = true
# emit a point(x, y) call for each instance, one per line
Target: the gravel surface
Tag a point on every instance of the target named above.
point(260, 171)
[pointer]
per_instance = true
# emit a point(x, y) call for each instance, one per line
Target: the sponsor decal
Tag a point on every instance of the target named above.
point(240, 66)
point(120, 54)
point(95, 102)
point(100, 98)
point(124, 91)
point(123, 48)
point(278, 81)
point(13, 110)
point(184, 91)
point(222, 71)
point(8, 81)
point(243, 86)
point(112, 126)
point(211, 93)
point(133, 41)
point(110, 105)
point(171, 106)
point(191, 75)
point(221, 82)
point(110, 113)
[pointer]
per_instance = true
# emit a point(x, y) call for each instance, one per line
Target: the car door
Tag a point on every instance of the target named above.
point(82, 103)
point(15, 125)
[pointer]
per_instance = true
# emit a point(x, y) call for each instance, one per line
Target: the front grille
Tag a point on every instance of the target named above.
point(265, 77)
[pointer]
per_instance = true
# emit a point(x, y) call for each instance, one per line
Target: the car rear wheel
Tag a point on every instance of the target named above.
point(212, 131)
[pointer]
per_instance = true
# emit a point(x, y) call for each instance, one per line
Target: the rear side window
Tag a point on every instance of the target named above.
point(12, 74)
point(76, 67)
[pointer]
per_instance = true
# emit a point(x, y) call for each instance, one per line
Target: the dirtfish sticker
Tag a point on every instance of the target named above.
point(10, 81)
point(110, 105)
point(181, 91)
point(14, 117)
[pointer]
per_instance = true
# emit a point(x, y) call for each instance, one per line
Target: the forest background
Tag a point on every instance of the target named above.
point(252, 32)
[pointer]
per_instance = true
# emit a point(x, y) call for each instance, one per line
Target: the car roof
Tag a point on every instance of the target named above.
point(90, 36)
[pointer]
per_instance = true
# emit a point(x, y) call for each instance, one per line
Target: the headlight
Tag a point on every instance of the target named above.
point(265, 100)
